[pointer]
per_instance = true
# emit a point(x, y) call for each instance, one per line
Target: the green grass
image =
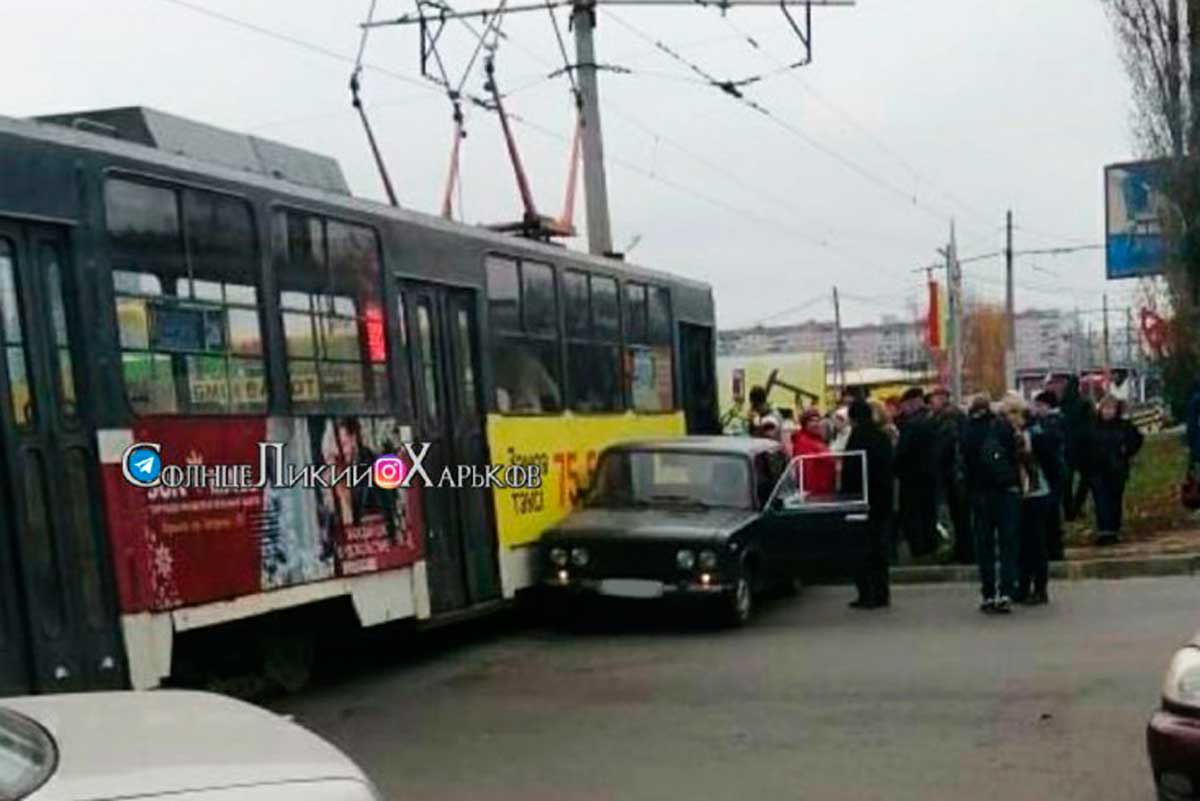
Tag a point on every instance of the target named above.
point(1152, 497)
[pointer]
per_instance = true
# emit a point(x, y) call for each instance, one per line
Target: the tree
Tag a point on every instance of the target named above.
point(1164, 71)
point(984, 326)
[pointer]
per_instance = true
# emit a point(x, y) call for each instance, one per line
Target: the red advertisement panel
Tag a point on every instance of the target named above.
point(189, 545)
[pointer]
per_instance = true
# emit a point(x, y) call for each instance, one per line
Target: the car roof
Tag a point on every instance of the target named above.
point(747, 446)
point(117, 744)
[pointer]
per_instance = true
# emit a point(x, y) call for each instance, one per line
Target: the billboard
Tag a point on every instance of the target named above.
point(1134, 202)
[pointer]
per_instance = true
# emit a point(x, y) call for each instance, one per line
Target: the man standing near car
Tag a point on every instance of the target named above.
point(763, 421)
point(1079, 419)
point(993, 479)
point(916, 469)
point(1050, 447)
point(866, 436)
point(949, 421)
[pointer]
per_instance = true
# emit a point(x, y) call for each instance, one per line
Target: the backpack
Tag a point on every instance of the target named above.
point(996, 467)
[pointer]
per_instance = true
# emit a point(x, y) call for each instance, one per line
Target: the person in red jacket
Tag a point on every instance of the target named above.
point(818, 468)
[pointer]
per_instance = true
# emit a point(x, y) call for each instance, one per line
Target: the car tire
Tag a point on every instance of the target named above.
point(738, 603)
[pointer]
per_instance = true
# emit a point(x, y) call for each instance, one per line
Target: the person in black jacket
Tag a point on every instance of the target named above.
point(1079, 419)
point(949, 421)
point(1050, 447)
point(994, 486)
point(916, 468)
point(1039, 459)
point(1113, 444)
point(867, 436)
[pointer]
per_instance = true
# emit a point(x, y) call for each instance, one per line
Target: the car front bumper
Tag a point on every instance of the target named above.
point(1173, 742)
point(615, 586)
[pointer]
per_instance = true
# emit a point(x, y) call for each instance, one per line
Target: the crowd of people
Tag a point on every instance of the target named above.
point(989, 484)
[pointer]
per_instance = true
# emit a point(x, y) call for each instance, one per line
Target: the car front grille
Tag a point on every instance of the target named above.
point(630, 559)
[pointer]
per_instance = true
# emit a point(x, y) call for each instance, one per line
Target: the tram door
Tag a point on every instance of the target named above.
point(696, 356)
point(443, 345)
point(58, 618)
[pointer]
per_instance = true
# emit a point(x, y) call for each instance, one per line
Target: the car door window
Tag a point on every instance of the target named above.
point(822, 481)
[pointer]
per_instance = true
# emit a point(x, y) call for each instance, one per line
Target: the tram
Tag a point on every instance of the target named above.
point(165, 281)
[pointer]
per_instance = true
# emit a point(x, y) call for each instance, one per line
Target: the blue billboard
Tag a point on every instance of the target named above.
point(1134, 203)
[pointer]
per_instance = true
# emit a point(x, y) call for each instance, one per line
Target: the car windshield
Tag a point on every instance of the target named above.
point(27, 755)
point(630, 478)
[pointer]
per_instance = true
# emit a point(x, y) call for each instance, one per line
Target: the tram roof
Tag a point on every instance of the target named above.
point(56, 133)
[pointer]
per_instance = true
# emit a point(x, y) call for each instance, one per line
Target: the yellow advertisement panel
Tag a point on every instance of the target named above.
point(565, 448)
point(803, 370)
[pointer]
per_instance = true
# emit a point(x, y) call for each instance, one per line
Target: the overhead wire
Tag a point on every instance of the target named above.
point(812, 301)
point(653, 176)
point(733, 89)
point(292, 40)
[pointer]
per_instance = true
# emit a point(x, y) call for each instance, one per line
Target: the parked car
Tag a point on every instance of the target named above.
point(182, 746)
point(716, 518)
point(1173, 735)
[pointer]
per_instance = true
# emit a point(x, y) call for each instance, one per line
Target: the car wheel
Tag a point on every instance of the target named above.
point(739, 602)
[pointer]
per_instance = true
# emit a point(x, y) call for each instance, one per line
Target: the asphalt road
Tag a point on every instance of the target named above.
point(926, 700)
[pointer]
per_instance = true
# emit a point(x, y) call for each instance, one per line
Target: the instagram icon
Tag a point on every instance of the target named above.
point(388, 472)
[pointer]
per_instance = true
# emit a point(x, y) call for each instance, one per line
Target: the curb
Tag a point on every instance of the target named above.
point(1145, 566)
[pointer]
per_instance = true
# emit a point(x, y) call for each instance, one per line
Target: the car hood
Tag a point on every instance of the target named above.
point(682, 524)
point(119, 744)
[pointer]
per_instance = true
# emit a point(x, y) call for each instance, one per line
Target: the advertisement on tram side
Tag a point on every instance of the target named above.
point(265, 504)
point(566, 449)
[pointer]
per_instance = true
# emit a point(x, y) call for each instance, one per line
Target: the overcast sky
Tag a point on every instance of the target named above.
point(912, 112)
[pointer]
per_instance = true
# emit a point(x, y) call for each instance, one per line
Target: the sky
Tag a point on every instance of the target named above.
point(911, 115)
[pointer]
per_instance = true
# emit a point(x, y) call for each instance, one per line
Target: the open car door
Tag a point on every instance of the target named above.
point(816, 520)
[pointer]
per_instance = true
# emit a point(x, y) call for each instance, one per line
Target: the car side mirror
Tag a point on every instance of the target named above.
point(582, 490)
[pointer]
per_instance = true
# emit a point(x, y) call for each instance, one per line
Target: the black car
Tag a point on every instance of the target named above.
point(722, 518)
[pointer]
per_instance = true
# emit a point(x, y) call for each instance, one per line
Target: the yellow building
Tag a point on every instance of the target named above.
point(802, 371)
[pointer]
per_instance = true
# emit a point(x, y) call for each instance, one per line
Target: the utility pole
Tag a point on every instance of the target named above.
point(840, 358)
point(583, 18)
point(595, 185)
point(1010, 331)
point(954, 293)
point(1128, 336)
point(1106, 361)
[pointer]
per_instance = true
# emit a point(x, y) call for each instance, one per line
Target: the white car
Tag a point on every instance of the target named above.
point(185, 746)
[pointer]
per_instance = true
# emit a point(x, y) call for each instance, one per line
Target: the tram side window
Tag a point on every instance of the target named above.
point(185, 279)
point(523, 312)
point(331, 301)
point(593, 342)
point(12, 338)
point(649, 372)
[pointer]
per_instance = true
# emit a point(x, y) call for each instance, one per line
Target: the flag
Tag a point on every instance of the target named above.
point(935, 332)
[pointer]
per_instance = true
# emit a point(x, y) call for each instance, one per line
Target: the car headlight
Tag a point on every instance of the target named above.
point(707, 560)
point(579, 556)
point(685, 559)
point(1182, 683)
point(559, 556)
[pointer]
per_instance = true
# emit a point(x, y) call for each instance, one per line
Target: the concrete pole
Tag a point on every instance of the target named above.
point(954, 270)
point(595, 186)
point(1010, 314)
point(841, 348)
